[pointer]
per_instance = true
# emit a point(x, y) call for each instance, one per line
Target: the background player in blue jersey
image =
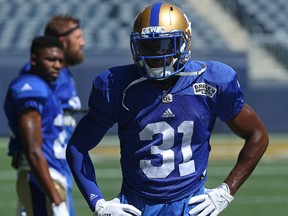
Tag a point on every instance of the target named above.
point(67, 29)
point(35, 118)
point(166, 106)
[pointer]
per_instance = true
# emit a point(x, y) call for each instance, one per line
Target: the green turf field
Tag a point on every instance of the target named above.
point(265, 193)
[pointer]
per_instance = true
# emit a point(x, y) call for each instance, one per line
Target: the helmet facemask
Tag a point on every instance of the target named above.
point(160, 40)
point(160, 54)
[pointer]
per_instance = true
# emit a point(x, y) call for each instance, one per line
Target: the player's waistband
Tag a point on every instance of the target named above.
point(156, 200)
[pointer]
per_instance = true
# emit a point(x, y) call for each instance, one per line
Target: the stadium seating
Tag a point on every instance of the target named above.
point(266, 19)
point(106, 24)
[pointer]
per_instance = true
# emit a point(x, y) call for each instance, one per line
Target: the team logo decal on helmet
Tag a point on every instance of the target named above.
point(160, 40)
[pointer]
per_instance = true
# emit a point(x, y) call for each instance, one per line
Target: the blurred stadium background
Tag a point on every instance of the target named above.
point(250, 36)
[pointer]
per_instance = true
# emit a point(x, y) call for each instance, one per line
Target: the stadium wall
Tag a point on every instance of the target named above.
point(269, 101)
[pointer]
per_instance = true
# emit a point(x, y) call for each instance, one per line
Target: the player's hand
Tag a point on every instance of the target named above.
point(212, 202)
point(60, 210)
point(115, 208)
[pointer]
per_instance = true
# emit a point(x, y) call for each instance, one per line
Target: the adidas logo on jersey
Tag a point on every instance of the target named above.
point(93, 196)
point(168, 114)
point(26, 87)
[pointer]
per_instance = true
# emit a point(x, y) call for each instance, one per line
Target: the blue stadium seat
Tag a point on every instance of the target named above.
point(106, 24)
point(267, 17)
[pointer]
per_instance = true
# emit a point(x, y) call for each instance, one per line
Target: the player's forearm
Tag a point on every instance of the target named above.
point(39, 167)
point(83, 172)
point(86, 136)
point(40, 170)
point(248, 159)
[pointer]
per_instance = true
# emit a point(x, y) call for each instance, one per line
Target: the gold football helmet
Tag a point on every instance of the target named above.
point(160, 40)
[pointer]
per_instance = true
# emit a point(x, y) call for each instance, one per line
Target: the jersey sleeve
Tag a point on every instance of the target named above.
point(230, 96)
point(88, 133)
point(101, 102)
point(29, 95)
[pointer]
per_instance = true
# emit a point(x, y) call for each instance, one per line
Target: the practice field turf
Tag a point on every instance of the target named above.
point(265, 193)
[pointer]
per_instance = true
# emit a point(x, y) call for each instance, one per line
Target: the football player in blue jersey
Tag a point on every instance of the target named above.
point(68, 30)
point(166, 106)
point(35, 118)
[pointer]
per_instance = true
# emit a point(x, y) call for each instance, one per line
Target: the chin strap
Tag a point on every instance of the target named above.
point(141, 79)
point(193, 73)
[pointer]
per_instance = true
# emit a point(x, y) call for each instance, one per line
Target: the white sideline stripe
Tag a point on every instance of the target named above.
point(216, 171)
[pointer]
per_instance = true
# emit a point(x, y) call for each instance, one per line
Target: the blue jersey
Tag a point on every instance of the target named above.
point(30, 91)
point(64, 88)
point(164, 134)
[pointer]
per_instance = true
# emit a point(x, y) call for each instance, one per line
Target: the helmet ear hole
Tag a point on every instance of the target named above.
point(161, 31)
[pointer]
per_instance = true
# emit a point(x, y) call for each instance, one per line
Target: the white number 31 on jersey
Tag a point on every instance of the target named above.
point(168, 155)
